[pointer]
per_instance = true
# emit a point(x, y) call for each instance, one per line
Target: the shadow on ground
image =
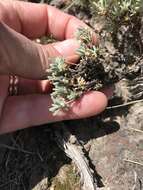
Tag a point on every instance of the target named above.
point(31, 155)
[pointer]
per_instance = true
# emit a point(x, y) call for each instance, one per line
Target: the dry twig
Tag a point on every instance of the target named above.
point(70, 145)
point(133, 162)
point(123, 105)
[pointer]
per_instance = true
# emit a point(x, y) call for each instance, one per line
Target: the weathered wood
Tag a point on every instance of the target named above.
point(74, 150)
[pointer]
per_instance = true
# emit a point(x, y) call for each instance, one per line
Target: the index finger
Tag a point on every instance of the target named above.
point(35, 20)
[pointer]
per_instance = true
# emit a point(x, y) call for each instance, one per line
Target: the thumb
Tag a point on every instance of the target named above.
point(23, 57)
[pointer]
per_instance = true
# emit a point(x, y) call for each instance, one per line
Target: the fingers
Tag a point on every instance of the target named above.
point(26, 86)
point(25, 111)
point(22, 57)
point(35, 20)
point(67, 48)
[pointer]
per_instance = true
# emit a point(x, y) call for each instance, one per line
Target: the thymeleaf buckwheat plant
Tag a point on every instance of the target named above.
point(66, 78)
point(99, 66)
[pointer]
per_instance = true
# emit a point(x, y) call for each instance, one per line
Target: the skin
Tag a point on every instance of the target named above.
point(20, 23)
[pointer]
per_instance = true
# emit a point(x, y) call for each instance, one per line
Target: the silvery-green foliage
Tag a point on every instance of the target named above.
point(66, 89)
point(116, 8)
point(85, 38)
point(111, 8)
point(62, 90)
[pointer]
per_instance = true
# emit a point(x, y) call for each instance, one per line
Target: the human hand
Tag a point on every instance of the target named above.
point(20, 22)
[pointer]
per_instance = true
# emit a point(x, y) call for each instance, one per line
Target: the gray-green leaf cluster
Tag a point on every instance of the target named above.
point(70, 81)
point(68, 85)
point(63, 92)
point(111, 8)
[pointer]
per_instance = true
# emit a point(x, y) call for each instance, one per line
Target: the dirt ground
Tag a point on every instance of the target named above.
point(30, 159)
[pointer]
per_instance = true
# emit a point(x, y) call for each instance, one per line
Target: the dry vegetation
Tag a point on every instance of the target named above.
point(112, 143)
